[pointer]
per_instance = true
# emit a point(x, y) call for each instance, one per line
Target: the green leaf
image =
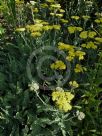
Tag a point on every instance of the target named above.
point(2, 30)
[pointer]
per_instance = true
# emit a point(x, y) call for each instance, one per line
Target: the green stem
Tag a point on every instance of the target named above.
point(40, 98)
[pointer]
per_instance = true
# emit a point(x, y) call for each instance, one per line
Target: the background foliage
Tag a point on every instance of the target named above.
point(22, 113)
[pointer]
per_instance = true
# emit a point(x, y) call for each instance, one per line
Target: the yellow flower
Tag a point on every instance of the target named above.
point(66, 107)
point(44, 5)
point(91, 45)
point(35, 34)
point(79, 29)
point(79, 68)
point(19, 1)
point(34, 28)
point(56, 27)
point(84, 35)
point(64, 21)
point(72, 29)
point(92, 34)
point(20, 29)
point(38, 21)
point(71, 55)
point(55, 14)
point(80, 54)
point(73, 84)
point(56, 6)
point(63, 46)
point(50, 1)
point(62, 100)
point(75, 17)
point(59, 15)
point(47, 27)
point(69, 96)
point(44, 23)
point(84, 45)
point(97, 21)
point(101, 19)
point(52, 14)
point(58, 65)
point(61, 10)
point(35, 10)
point(86, 17)
point(98, 39)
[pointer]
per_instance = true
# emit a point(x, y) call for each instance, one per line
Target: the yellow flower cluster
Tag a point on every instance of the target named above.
point(71, 51)
point(20, 29)
point(89, 45)
point(19, 1)
point(44, 5)
point(75, 17)
point(71, 55)
point(35, 10)
point(98, 39)
point(56, 14)
point(55, 6)
point(35, 34)
point(87, 34)
point(79, 68)
point(73, 84)
point(85, 17)
point(35, 29)
point(63, 46)
point(47, 27)
point(56, 27)
point(62, 100)
point(64, 20)
point(80, 54)
point(56, 10)
point(50, 1)
point(73, 29)
point(98, 20)
point(58, 65)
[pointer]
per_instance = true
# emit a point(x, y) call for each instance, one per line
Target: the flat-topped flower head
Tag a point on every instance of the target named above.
point(75, 17)
point(79, 68)
point(20, 29)
point(80, 54)
point(33, 86)
point(80, 115)
point(98, 39)
point(85, 17)
point(73, 29)
point(62, 100)
point(73, 84)
point(58, 65)
point(87, 34)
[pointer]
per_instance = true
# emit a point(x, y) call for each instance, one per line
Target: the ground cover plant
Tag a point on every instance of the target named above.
point(50, 68)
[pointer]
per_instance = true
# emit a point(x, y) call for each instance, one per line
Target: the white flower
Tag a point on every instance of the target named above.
point(59, 89)
point(32, 2)
point(33, 86)
point(80, 115)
